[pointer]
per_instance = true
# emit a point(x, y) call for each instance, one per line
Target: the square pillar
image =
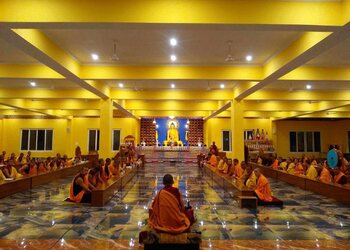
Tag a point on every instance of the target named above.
point(237, 130)
point(106, 116)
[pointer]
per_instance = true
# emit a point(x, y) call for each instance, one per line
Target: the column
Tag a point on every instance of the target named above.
point(69, 150)
point(237, 130)
point(106, 116)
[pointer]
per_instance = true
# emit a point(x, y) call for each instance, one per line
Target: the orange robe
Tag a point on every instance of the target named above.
point(41, 168)
point(275, 164)
point(33, 170)
point(325, 176)
point(338, 176)
point(166, 215)
point(263, 190)
point(299, 170)
point(238, 171)
point(213, 161)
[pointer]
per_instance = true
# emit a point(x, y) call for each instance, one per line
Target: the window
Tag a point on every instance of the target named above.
point(226, 140)
point(305, 141)
point(94, 139)
point(248, 134)
point(36, 139)
point(116, 139)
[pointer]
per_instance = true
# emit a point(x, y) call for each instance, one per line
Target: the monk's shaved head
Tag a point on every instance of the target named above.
point(168, 180)
point(257, 172)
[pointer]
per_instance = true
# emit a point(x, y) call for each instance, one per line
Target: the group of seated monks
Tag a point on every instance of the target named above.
point(314, 170)
point(242, 172)
point(88, 179)
point(16, 167)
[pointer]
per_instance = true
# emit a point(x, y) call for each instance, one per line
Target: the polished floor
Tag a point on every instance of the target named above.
point(40, 219)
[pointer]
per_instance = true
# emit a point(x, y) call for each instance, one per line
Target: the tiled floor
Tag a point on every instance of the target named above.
point(39, 219)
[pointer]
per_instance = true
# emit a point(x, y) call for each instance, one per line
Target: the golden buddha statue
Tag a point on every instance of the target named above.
point(172, 136)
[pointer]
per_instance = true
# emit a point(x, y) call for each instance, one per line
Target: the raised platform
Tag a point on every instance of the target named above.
point(169, 154)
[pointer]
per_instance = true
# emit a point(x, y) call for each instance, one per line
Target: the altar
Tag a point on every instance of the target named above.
point(168, 153)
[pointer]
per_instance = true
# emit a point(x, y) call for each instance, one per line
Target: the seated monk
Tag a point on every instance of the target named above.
point(10, 171)
point(114, 168)
point(33, 169)
point(283, 165)
point(238, 171)
point(275, 164)
point(248, 177)
point(311, 172)
point(41, 167)
point(299, 169)
point(339, 177)
point(223, 166)
point(2, 176)
point(93, 176)
point(80, 189)
point(213, 160)
point(325, 175)
point(262, 189)
point(290, 166)
point(167, 212)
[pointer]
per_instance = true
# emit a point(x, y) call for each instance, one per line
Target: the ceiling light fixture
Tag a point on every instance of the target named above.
point(173, 58)
point(94, 57)
point(229, 57)
point(114, 56)
point(308, 86)
point(249, 58)
point(222, 86)
point(33, 84)
point(172, 85)
point(173, 42)
point(121, 85)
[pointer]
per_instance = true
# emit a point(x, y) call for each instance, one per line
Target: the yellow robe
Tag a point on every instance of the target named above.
point(251, 182)
point(283, 165)
point(15, 174)
point(311, 172)
point(221, 165)
point(291, 168)
point(2, 176)
point(263, 190)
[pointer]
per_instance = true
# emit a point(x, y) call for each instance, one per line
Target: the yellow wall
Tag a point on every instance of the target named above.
point(67, 134)
point(332, 132)
point(214, 126)
point(12, 135)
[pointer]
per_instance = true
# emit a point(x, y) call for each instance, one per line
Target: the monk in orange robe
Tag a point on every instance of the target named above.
point(213, 161)
point(262, 189)
point(41, 167)
point(167, 212)
point(275, 164)
point(325, 175)
point(299, 169)
point(238, 171)
point(80, 189)
point(339, 177)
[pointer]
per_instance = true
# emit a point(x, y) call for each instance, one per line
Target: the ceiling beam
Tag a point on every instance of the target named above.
point(36, 44)
point(35, 93)
point(67, 14)
point(307, 47)
point(172, 72)
point(264, 95)
point(124, 111)
point(219, 111)
point(18, 104)
point(172, 95)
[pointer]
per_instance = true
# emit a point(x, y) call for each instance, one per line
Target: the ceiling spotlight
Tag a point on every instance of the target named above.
point(173, 58)
point(308, 86)
point(173, 42)
point(33, 84)
point(94, 57)
point(154, 121)
point(172, 85)
point(222, 86)
point(249, 58)
point(121, 85)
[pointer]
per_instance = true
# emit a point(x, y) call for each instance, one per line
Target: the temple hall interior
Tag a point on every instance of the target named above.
point(185, 88)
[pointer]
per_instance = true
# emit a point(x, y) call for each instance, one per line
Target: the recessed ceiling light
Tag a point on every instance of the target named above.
point(121, 85)
point(173, 58)
point(222, 86)
point(308, 86)
point(172, 85)
point(94, 57)
point(249, 58)
point(173, 42)
point(33, 84)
